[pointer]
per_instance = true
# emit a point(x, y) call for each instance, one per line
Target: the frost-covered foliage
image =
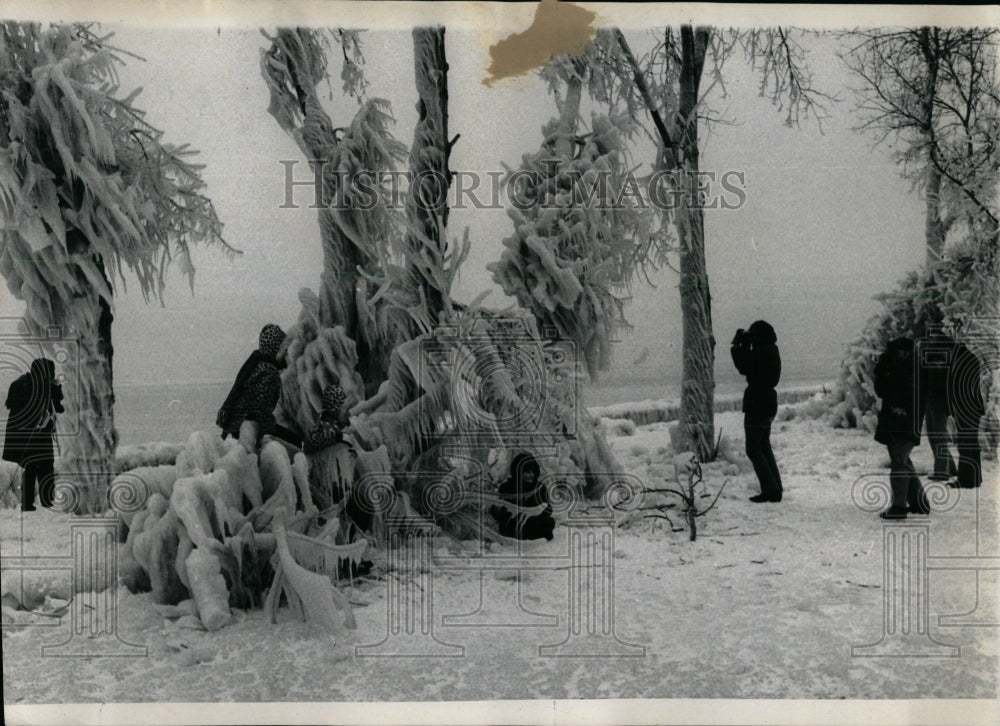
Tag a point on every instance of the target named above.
point(934, 93)
point(384, 318)
point(87, 190)
point(572, 253)
point(84, 176)
point(961, 293)
point(472, 392)
point(224, 525)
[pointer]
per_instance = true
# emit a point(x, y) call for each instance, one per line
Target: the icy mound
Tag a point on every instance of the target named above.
point(150, 454)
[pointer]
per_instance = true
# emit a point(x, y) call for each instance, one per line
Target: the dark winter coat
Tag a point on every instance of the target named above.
point(257, 389)
point(33, 400)
point(953, 381)
point(903, 392)
point(511, 522)
point(755, 355)
point(328, 429)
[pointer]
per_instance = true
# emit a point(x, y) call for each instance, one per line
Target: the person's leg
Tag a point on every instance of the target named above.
point(752, 436)
point(757, 433)
point(28, 487)
point(937, 436)
point(285, 434)
point(969, 462)
point(46, 483)
point(775, 476)
point(916, 498)
point(899, 477)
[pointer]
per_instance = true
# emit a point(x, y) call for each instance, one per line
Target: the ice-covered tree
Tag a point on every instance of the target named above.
point(931, 95)
point(667, 92)
point(356, 238)
point(577, 221)
point(384, 320)
point(89, 192)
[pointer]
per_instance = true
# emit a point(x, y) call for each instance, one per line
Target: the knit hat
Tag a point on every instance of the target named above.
point(333, 398)
point(271, 338)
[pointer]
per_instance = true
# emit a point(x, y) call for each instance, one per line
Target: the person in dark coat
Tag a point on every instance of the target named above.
point(328, 429)
point(522, 491)
point(904, 397)
point(967, 407)
point(256, 391)
point(935, 361)
point(755, 355)
point(34, 399)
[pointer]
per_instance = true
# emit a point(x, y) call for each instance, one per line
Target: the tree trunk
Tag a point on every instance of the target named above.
point(427, 204)
point(697, 415)
point(569, 114)
point(88, 438)
point(934, 228)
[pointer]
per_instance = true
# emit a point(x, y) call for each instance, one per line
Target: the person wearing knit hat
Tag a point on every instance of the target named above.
point(328, 429)
point(257, 390)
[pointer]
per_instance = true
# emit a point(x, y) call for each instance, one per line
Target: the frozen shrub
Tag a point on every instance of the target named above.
point(785, 413)
point(638, 450)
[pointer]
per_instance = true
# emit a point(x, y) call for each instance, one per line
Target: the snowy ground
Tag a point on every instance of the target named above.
point(767, 603)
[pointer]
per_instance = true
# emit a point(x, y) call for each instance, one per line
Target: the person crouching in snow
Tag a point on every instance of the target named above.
point(755, 354)
point(521, 492)
point(256, 391)
point(904, 397)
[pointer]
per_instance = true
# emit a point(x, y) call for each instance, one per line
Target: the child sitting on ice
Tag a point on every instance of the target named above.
point(328, 429)
point(521, 492)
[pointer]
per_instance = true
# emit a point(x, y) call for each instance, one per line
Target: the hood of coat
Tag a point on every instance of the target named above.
point(762, 333)
point(521, 463)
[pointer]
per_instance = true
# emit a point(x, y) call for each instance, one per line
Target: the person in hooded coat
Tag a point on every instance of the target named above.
point(329, 427)
point(34, 399)
point(904, 398)
point(755, 355)
point(967, 407)
point(257, 390)
point(935, 362)
point(522, 491)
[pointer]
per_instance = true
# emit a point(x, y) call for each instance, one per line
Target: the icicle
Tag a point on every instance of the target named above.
point(208, 587)
point(316, 592)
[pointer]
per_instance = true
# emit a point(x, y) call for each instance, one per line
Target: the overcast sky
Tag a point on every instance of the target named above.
point(826, 225)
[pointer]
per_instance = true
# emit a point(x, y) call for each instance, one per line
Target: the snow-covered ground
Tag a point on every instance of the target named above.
point(767, 603)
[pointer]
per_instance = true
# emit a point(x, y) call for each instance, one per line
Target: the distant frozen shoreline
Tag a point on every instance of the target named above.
point(643, 413)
